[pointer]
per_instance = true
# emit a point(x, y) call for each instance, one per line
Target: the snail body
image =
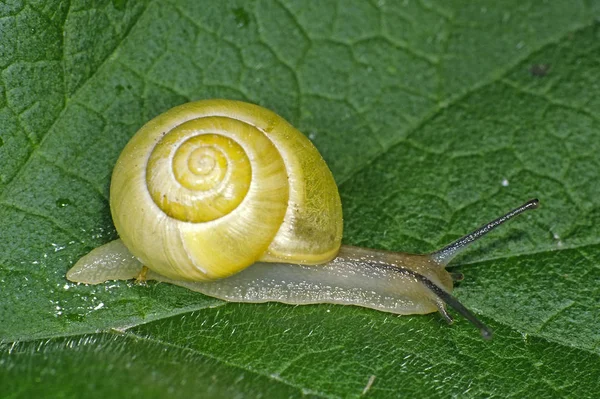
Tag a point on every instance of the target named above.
point(228, 199)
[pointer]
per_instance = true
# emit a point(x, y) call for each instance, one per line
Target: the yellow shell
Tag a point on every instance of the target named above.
point(210, 187)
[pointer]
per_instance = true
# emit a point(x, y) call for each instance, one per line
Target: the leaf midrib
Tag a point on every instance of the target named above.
point(131, 335)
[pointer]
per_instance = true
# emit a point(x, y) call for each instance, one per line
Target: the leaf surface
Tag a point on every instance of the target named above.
point(434, 116)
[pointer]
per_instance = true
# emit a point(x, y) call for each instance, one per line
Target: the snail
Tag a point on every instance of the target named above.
point(228, 199)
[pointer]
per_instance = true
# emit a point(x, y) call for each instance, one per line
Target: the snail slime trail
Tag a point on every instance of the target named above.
point(218, 204)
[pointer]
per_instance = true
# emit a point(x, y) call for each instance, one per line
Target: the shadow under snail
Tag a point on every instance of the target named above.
point(228, 199)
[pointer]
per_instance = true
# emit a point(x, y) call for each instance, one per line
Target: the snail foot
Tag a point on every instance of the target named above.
point(141, 277)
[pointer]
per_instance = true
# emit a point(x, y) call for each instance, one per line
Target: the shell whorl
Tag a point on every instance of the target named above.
point(196, 177)
point(210, 187)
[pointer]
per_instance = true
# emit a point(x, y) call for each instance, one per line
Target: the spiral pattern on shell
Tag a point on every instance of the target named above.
point(198, 178)
point(210, 187)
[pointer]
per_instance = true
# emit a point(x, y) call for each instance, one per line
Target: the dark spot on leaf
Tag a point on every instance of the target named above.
point(242, 18)
point(539, 70)
point(119, 89)
point(63, 202)
point(119, 4)
point(1, 142)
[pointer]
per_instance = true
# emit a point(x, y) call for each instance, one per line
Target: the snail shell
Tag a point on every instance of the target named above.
point(210, 187)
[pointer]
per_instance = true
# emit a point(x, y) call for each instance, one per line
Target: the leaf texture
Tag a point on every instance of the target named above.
point(434, 116)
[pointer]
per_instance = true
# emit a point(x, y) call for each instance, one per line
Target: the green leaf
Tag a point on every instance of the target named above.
point(435, 116)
